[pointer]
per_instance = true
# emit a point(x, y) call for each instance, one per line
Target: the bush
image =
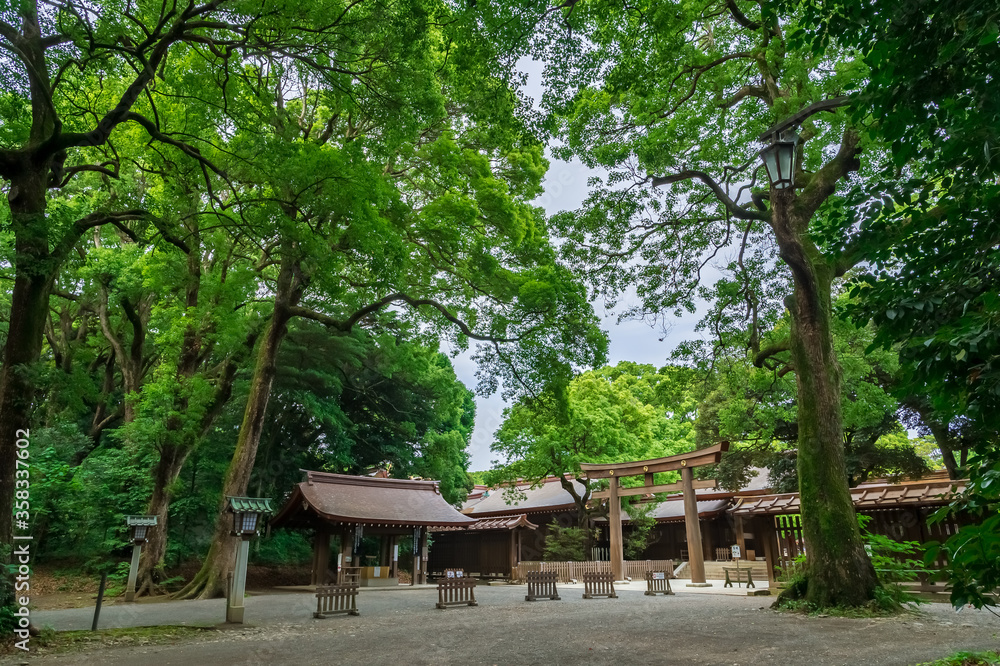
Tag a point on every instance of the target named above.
point(566, 544)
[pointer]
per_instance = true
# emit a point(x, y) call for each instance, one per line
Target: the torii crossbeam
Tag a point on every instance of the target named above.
point(683, 462)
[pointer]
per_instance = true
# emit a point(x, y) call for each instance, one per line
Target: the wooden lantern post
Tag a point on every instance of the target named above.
point(683, 462)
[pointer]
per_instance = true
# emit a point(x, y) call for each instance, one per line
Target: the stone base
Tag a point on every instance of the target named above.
point(698, 585)
point(234, 614)
point(379, 582)
point(129, 595)
point(758, 593)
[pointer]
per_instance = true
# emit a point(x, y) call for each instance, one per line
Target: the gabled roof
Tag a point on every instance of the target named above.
point(340, 498)
point(549, 496)
point(876, 495)
point(492, 523)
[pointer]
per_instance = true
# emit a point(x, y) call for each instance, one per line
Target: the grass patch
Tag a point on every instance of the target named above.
point(967, 659)
point(873, 608)
point(62, 641)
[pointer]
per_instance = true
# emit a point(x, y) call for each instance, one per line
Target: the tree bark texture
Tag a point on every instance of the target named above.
point(34, 275)
point(210, 581)
point(838, 568)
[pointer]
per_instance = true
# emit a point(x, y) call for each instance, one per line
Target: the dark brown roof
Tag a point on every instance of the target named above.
point(339, 498)
point(865, 496)
point(493, 523)
point(548, 496)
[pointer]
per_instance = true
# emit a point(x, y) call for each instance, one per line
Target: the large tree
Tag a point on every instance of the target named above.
point(670, 99)
point(77, 74)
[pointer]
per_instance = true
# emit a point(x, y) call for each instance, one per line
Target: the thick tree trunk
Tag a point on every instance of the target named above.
point(839, 571)
point(168, 468)
point(33, 279)
point(209, 582)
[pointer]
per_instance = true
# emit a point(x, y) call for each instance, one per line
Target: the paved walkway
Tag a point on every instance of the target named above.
point(694, 627)
point(271, 607)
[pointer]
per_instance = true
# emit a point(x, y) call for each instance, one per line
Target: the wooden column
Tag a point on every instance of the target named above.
point(348, 548)
point(696, 562)
point(769, 538)
point(393, 557)
point(415, 543)
point(321, 557)
point(424, 552)
point(615, 527)
point(740, 539)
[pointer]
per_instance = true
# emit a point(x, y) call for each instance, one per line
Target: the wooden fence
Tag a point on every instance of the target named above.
point(657, 582)
point(334, 599)
point(599, 584)
point(456, 592)
point(542, 585)
point(568, 571)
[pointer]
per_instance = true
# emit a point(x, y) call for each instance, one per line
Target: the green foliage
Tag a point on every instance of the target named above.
point(893, 564)
point(967, 659)
point(566, 544)
point(641, 524)
point(613, 414)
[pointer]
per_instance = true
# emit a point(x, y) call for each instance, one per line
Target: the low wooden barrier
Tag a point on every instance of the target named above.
point(336, 599)
point(567, 571)
point(456, 592)
point(542, 585)
point(657, 582)
point(740, 575)
point(599, 584)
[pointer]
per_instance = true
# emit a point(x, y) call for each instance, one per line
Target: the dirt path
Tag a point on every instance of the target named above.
point(402, 627)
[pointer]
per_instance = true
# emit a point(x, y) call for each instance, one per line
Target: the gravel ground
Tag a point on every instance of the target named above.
point(402, 627)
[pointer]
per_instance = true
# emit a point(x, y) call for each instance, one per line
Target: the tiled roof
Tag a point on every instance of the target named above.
point(549, 496)
point(493, 523)
point(865, 496)
point(340, 498)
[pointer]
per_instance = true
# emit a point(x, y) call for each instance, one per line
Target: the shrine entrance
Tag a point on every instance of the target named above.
point(683, 462)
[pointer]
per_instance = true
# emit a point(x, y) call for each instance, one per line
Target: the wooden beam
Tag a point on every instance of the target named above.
point(708, 456)
point(662, 488)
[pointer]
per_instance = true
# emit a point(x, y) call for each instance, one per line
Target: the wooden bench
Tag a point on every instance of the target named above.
point(739, 574)
point(599, 584)
point(456, 592)
point(657, 582)
point(336, 599)
point(542, 585)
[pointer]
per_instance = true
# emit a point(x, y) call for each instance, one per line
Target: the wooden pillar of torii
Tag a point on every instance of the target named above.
point(683, 462)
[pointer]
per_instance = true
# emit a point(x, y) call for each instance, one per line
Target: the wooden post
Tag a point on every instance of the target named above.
point(100, 600)
point(347, 548)
point(740, 539)
point(696, 562)
point(513, 549)
point(770, 538)
point(393, 556)
point(415, 539)
point(321, 561)
point(424, 547)
point(615, 525)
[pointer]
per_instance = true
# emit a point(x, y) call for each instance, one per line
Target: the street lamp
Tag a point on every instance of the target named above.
point(138, 529)
point(779, 158)
point(247, 513)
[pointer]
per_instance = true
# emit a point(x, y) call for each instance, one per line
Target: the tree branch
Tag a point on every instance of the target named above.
point(734, 209)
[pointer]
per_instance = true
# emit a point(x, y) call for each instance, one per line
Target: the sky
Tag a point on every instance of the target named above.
point(565, 189)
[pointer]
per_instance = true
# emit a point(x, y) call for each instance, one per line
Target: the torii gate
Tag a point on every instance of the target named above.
point(683, 462)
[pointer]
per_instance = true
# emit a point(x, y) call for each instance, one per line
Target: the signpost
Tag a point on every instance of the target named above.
point(736, 552)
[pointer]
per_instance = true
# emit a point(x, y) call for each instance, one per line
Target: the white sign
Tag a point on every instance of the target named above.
point(378, 572)
point(659, 575)
point(736, 552)
point(395, 553)
point(449, 574)
point(340, 559)
point(458, 574)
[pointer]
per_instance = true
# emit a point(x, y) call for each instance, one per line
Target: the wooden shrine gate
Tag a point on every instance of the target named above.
point(683, 462)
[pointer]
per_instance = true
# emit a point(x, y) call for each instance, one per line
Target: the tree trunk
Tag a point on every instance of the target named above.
point(168, 468)
point(210, 581)
point(33, 279)
point(839, 571)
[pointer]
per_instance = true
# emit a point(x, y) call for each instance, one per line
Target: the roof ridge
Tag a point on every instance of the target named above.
point(352, 480)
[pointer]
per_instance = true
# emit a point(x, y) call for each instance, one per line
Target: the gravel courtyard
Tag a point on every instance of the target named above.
point(403, 627)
